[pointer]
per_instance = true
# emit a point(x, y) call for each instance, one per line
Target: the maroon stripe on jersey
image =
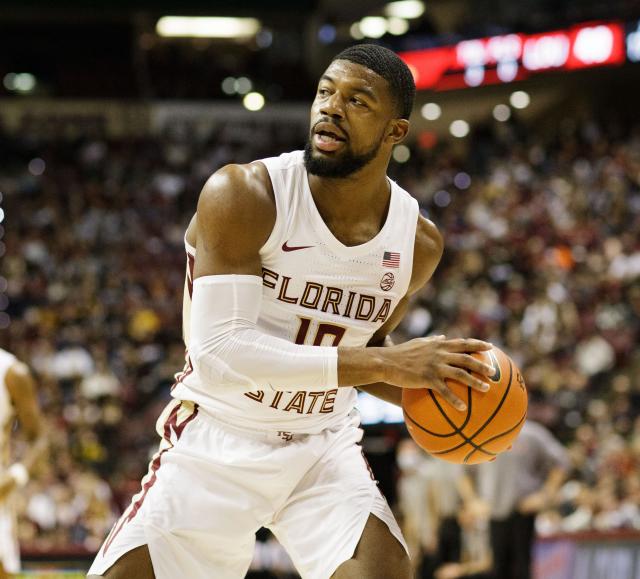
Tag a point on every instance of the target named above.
point(366, 462)
point(187, 364)
point(170, 424)
point(191, 261)
point(188, 369)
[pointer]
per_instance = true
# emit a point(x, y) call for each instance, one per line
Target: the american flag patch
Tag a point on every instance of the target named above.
point(391, 259)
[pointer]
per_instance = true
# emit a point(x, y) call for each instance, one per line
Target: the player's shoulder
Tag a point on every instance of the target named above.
point(427, 251)
point(247, 183)
point(428, 237)
point(238, 194)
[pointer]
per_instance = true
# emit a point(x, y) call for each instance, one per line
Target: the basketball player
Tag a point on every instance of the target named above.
point(17, 400)
point(295, 264)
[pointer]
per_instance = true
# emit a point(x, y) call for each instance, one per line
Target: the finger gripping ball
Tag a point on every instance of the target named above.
point(478, 434)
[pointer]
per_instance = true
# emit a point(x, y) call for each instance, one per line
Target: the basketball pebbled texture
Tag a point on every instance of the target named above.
point(486, 428)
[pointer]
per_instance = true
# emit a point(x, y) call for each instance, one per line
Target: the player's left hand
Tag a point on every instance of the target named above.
point(7, 486)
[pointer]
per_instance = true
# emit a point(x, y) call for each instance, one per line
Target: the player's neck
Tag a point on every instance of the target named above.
point(357, 195)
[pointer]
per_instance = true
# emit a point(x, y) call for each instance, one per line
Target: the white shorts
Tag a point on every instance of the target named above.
point(9, 550)
point(212, 486)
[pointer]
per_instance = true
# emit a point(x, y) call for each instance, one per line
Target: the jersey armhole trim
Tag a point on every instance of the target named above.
point(415, 211)
point(276, 233)
point(273, 240)
point(190, 249)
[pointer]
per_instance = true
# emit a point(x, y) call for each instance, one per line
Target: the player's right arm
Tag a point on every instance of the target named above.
point(236, 214)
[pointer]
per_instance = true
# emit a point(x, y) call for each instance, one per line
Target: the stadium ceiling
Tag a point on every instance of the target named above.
point(442, 18)
point(40, 9)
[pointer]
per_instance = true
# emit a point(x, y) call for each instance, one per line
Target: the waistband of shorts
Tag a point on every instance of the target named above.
point(280, 435)
point(270, 435)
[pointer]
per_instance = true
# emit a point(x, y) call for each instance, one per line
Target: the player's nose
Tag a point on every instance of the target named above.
point(333, 106)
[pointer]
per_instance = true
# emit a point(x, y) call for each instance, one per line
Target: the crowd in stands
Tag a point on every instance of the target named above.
point(542, 258)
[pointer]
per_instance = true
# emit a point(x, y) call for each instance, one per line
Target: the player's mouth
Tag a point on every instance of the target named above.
point(328, 138)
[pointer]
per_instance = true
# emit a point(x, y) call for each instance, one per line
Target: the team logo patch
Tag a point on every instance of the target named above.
point(387, 281)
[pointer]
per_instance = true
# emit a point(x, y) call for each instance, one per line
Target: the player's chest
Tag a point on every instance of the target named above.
point(329, 298)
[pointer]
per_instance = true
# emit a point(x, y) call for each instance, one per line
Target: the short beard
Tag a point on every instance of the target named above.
point(338, 168)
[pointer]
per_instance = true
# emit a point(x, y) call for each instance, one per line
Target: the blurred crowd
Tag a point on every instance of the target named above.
point(542, 258)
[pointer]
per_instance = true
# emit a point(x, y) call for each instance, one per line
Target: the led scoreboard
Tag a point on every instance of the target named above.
point(511, 57)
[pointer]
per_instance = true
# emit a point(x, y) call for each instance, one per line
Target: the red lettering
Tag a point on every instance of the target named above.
point(333, 299)
point(347, 309)
point(302, 330)
point(329, 330)
point(276, 400)
point(323, 330)
point(311, 304)
point(383, 313)
point(282, 296)
point(297, 402)
point(315, 396)
point(362, 302)
point(267, 273)
point(329, 401)
point(257, 396)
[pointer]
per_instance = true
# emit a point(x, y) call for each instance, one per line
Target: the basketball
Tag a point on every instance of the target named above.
point(486, 428)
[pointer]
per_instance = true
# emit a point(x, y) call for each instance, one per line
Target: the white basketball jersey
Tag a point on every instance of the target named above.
point(316, 291)
point(6, 408)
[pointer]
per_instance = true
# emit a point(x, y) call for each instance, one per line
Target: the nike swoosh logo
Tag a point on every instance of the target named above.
point(497, 373)
point(286, 247)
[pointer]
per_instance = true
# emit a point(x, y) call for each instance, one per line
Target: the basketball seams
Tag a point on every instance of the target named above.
point(496, 437)
point(456, 429)
point(470, 438)
point(500, 404)
point(467, 439)
point(487, 422)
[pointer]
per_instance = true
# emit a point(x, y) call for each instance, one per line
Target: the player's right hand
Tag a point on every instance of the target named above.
point(428, 362)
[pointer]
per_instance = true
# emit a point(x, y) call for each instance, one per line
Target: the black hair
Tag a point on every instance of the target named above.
point(389, 66)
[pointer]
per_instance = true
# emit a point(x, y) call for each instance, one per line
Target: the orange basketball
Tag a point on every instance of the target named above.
point(487, 427)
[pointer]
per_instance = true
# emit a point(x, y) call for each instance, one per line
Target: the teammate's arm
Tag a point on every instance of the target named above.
point(22, 391)
point(236, 214)
point(428, 250)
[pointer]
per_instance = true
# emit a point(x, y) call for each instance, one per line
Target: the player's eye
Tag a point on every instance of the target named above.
point(323, 91)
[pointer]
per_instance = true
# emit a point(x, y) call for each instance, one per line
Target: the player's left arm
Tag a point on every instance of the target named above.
point(22, 390)
point(427, 252)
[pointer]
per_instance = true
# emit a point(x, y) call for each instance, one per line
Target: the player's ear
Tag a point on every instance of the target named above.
point(398, 129)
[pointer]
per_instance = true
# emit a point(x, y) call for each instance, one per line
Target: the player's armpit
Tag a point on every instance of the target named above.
point(386, 392)
point(236, 214)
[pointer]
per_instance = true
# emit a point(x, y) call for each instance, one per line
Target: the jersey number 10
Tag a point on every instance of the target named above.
point(336, 332)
